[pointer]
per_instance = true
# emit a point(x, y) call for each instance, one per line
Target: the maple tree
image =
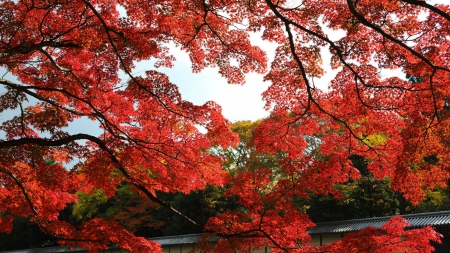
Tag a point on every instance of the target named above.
point(68, 54)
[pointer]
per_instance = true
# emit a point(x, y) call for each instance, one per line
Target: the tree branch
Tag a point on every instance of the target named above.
point(430, 7)
point(102, 145)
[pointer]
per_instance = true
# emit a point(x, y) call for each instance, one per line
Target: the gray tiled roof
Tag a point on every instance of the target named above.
point(435, 219)
point(57, 249)
point(166, 240)
point(181, 239)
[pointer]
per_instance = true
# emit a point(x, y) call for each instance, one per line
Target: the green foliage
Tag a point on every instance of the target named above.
point(437, 199)
point(88, 204)
point(375, 139)
point(127, 207)
point(200, 205)
point(245, 129)
point(238, 158)
point(363, 198)
point(369, 197)
point(50, 161)
point(245, 157)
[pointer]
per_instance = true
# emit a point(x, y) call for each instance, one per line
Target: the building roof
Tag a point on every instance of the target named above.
point(181, 239)
point(57, 249)
point(165, 240)
point(435, 219)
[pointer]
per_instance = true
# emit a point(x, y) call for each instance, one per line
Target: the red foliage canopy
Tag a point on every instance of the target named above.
point(67, 55)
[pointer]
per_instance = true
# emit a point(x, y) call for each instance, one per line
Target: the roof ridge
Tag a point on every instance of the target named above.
point(173, 236)
point(428, 214)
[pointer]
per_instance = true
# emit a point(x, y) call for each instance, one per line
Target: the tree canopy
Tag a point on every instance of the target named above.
point(67, 56)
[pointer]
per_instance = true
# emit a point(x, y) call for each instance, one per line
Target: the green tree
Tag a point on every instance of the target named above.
point(126, 207)
point(200, 205)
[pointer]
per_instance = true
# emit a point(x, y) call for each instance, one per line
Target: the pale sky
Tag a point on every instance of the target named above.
point(238, 102)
